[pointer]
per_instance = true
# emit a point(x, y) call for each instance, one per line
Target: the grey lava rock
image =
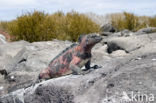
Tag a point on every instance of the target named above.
point(36, 56)
point(8, 51)
point(115, 82)
point(127, 68)
point(119, 53)
point(126, 33)
point(129, 44)
point(107, 28)
point(146, 31)
point(12, 48)
point(2, 39)
point(25, 66)
point(106, 34)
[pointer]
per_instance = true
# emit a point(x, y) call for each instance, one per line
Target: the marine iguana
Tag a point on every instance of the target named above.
point(72, 58)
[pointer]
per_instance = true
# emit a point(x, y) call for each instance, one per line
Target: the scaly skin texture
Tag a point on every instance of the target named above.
point(72, 59)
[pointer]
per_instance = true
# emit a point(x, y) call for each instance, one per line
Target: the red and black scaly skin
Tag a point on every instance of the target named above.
point(72, 59)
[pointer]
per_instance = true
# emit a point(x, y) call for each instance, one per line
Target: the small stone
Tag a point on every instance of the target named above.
point(12, 77)
point(1, 87)
point(138, 58)
point(111, 85)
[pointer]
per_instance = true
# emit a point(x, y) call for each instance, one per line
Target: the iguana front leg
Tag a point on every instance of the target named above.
point(75, 66)
point(87, 66)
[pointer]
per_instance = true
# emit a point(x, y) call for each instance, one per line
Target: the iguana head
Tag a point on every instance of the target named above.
point(88, 41)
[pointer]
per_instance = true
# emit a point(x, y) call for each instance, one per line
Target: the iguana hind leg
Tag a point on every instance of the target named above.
point(75, 69)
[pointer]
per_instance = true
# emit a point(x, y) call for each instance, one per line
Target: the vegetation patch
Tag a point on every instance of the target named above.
point(131, 21)
point(39, 26)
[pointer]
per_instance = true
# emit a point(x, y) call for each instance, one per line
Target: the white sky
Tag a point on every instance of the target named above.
point(10, 9)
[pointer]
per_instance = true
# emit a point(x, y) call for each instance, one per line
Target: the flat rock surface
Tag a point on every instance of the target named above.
point(131, 43)
point(115, 82)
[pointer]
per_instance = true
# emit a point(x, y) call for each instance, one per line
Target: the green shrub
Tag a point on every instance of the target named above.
point(25, 26)
point(117, 20)
point(132, 22)
point(79, 24)
point(152, 21)
point(125, 21)
point(4, 26)
point(38, 26)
